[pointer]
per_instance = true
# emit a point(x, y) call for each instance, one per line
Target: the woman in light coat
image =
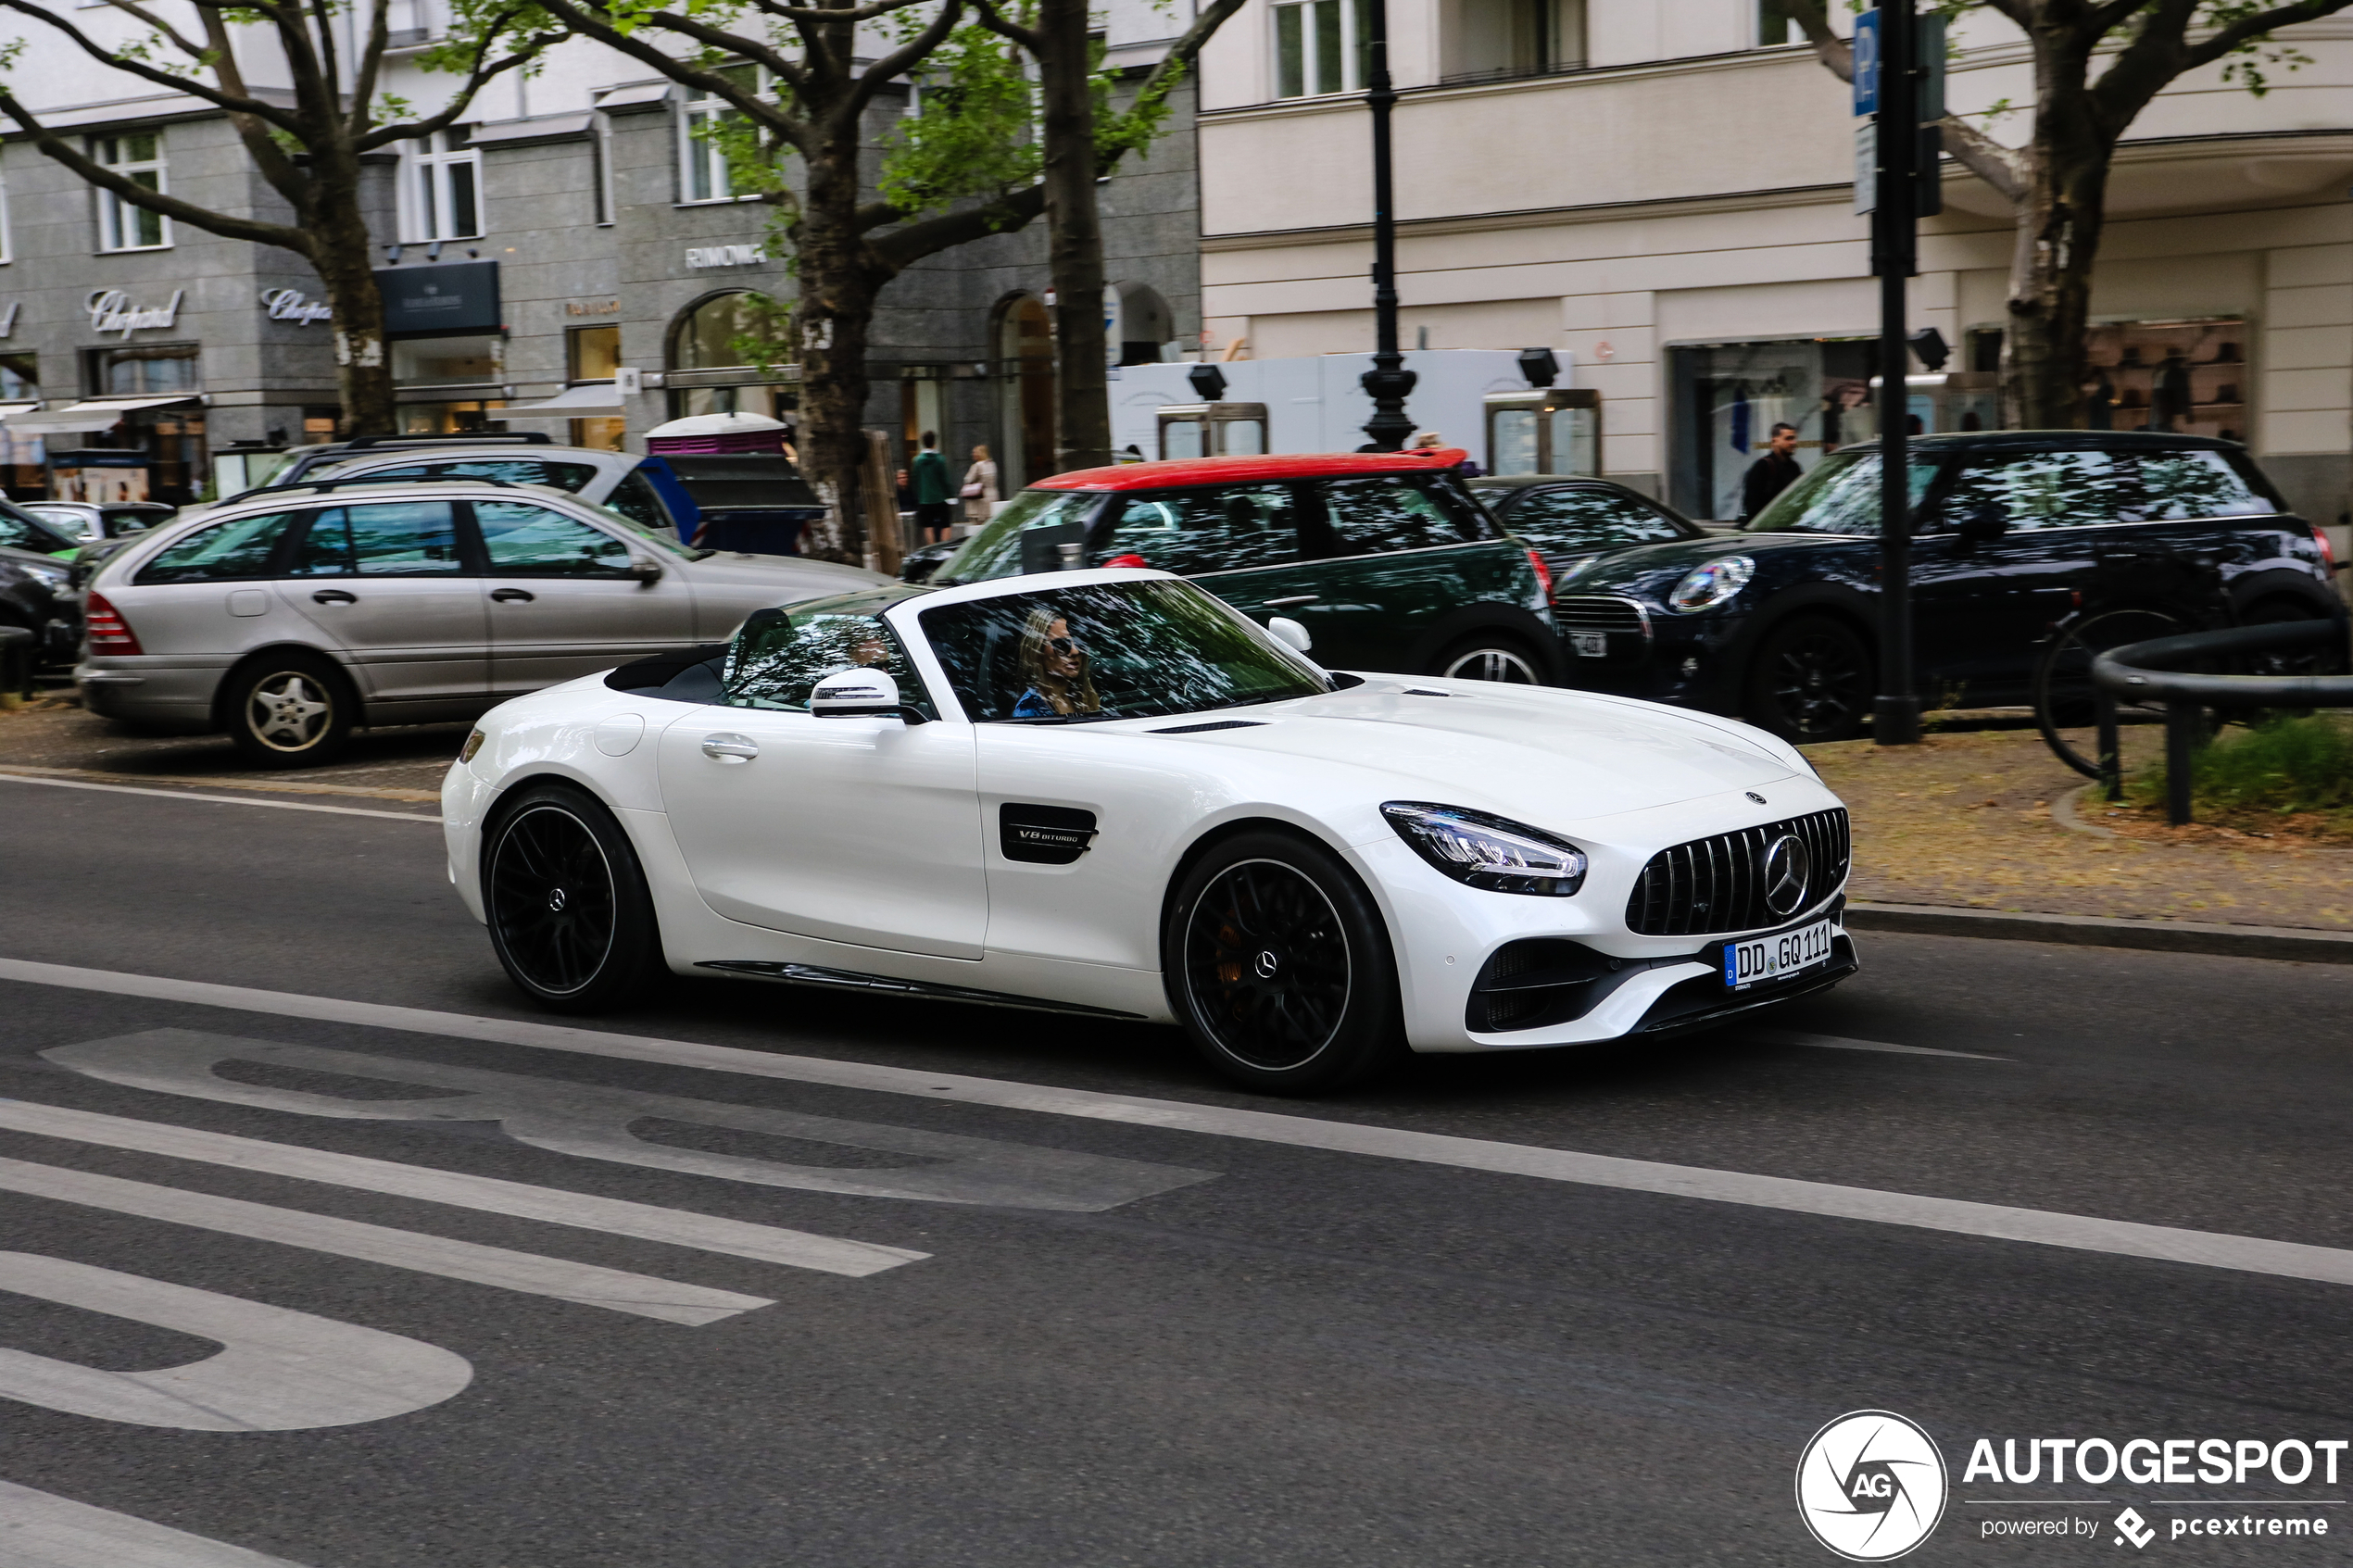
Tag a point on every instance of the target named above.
point(979, 492)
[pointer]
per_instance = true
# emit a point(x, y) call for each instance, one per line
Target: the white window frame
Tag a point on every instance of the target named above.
point(1312, 84)
point(117, 216)
point(432, 167)
point(703, 176)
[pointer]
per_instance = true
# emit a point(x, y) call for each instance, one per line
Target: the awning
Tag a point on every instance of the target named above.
point(98, 413)
point(599, 398)
point(16, 411)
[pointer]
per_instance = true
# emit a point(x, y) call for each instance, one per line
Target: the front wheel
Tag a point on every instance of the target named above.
point(1810, 682)
point(570, 916)
point(1280, 967)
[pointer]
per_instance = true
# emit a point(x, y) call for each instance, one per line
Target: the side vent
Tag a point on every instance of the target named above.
point(1044, 835)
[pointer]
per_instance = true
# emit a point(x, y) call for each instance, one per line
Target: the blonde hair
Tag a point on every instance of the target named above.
point(1066, 694)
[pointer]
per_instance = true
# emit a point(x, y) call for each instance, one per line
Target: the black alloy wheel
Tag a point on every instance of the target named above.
point(1280, 967)
point(288, 708)
point(1490, 658)
point(1811, 681)
point(569, 913)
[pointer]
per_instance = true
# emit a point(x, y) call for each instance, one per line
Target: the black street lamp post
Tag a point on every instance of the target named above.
point(1896, 716)
point(1389, 381)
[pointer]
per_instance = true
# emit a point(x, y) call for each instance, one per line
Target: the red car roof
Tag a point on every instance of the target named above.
point(1277, 465)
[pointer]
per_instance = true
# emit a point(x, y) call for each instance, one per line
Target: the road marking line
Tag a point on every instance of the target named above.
point(39, 1530)
point(586, 1283)
point(220, 799)
point(1838, 1043)
point(275, 786)
point(2287, 1260)
point(679, 1227)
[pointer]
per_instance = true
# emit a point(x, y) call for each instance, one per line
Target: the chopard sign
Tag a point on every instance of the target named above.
point(292, 304)
point(111, 311)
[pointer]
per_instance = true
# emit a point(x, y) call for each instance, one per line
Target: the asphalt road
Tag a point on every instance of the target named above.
point(765, 1277)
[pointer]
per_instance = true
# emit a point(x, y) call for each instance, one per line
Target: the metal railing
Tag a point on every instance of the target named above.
point(2137, 673)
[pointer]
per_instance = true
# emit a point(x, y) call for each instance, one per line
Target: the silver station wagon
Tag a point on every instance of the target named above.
point(290, 616)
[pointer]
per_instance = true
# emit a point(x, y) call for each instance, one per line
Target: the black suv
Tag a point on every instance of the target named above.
point(2016, 534)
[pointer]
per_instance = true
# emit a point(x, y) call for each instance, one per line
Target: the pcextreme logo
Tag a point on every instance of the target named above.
point(1871, 1486)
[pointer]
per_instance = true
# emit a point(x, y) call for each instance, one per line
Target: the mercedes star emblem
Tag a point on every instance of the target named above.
point(1788, 868)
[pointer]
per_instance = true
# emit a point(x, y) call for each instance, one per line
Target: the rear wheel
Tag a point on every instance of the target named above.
point(570, 916)
point(1490, 655)
point(289, 709)
point(1280, 967)
point(1811, 681)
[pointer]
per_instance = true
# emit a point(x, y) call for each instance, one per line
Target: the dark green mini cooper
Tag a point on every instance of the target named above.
point(1383, 557)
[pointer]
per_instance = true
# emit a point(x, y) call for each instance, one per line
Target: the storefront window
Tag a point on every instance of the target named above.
point(2189, 377)
point(147, 372)
point(716, 334)
point(1727, 398)
point(448, 361)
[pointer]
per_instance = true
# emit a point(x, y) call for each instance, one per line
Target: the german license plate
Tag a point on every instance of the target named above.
point(1780, 956)
point(1590, 645)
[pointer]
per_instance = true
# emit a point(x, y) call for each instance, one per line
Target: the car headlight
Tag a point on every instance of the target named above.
point(1707, 587)
point(55, 576)
point(1494, 853)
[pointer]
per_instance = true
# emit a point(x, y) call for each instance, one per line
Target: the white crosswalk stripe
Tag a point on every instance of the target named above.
point(614, 1289)
point(39, 1530)
point(678, 1227)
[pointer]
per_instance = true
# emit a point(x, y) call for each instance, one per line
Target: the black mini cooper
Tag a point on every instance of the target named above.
point(2017, 534)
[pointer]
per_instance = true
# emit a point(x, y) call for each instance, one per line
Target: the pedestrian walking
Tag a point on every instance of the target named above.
point(980, 487)
point(927, 478)
point(1773, 473)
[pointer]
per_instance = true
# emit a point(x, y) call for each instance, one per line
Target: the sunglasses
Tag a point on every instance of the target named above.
point(1062, 645)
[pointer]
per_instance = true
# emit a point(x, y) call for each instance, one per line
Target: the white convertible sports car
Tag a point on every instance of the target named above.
point(1106, 793)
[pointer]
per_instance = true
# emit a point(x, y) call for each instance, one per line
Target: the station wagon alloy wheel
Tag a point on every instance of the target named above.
point(289, 712)
point(288, 709)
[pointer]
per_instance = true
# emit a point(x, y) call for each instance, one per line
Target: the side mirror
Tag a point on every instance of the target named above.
point(860, 694)
point(1980, 525)
point(1290, 634)
point(647, 571)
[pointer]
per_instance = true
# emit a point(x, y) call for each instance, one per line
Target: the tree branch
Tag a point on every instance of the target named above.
point(479, 76)
point(1836, 55)
point(1003, 26)
point(767, 112)
point(371, 56)
point(1188, 45)
point(2224, 39)
point(63, 150)
point(1984, 157)
point(902, 248)
point(906, 57)
point(156, 74)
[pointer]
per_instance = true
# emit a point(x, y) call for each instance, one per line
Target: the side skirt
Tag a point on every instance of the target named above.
point(851, 980)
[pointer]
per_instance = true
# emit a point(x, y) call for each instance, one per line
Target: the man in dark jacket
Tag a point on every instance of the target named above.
point(1772, 473)
point(929, 481)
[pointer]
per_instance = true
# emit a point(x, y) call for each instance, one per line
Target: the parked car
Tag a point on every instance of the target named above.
point(292, 614)
point(1573, 522)
point(35, 584)
point(2015, 532)
point(1383, 557)
point(1108, 793)
point(87, 522)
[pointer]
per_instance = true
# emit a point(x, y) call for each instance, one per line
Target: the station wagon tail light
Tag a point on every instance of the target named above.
point(1131, 558)
point(108, 631)
point(1494, 853)
point(1543, 575)
point(1707, 587)
point(472, 747)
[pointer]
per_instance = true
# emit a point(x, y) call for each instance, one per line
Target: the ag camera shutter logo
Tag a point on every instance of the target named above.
point(1871, 1486)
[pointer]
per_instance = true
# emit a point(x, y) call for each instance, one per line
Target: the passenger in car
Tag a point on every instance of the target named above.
point(1055, 666)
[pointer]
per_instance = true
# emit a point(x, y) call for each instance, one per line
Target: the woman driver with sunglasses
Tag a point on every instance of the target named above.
point(1055, 668)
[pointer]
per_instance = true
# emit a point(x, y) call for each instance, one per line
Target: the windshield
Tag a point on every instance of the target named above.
point(1126, 650)
point(1839, 495)
point(998, 550)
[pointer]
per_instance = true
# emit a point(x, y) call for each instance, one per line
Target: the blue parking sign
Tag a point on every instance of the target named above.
point(1867, 56)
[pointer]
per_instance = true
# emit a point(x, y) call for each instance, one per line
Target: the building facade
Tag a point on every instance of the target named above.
point(1661, 190)
point(570, 260)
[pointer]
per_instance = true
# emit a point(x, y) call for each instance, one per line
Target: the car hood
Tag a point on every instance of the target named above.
point(1652, 570)
point(800, 575)
point(1535, 753)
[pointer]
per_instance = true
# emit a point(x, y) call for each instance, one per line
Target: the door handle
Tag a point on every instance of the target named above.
point(1294, 599)
point(511, 596)
point(334, 597)
point(730, 747)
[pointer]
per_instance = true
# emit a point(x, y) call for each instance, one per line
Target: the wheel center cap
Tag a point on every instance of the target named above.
point(557, 899)
point(1268, 963)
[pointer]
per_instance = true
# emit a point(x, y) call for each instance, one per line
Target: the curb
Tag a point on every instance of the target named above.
point(2292, 943)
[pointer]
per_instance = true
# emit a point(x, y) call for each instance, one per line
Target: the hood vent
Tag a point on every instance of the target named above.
point(1217, 724)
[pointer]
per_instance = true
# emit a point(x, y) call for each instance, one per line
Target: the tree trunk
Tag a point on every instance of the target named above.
point(1075, 239)
point(2058, 238)
point(363, 367)
point(831, 322)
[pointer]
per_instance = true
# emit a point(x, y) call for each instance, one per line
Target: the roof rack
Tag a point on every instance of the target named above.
point(517, 437)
